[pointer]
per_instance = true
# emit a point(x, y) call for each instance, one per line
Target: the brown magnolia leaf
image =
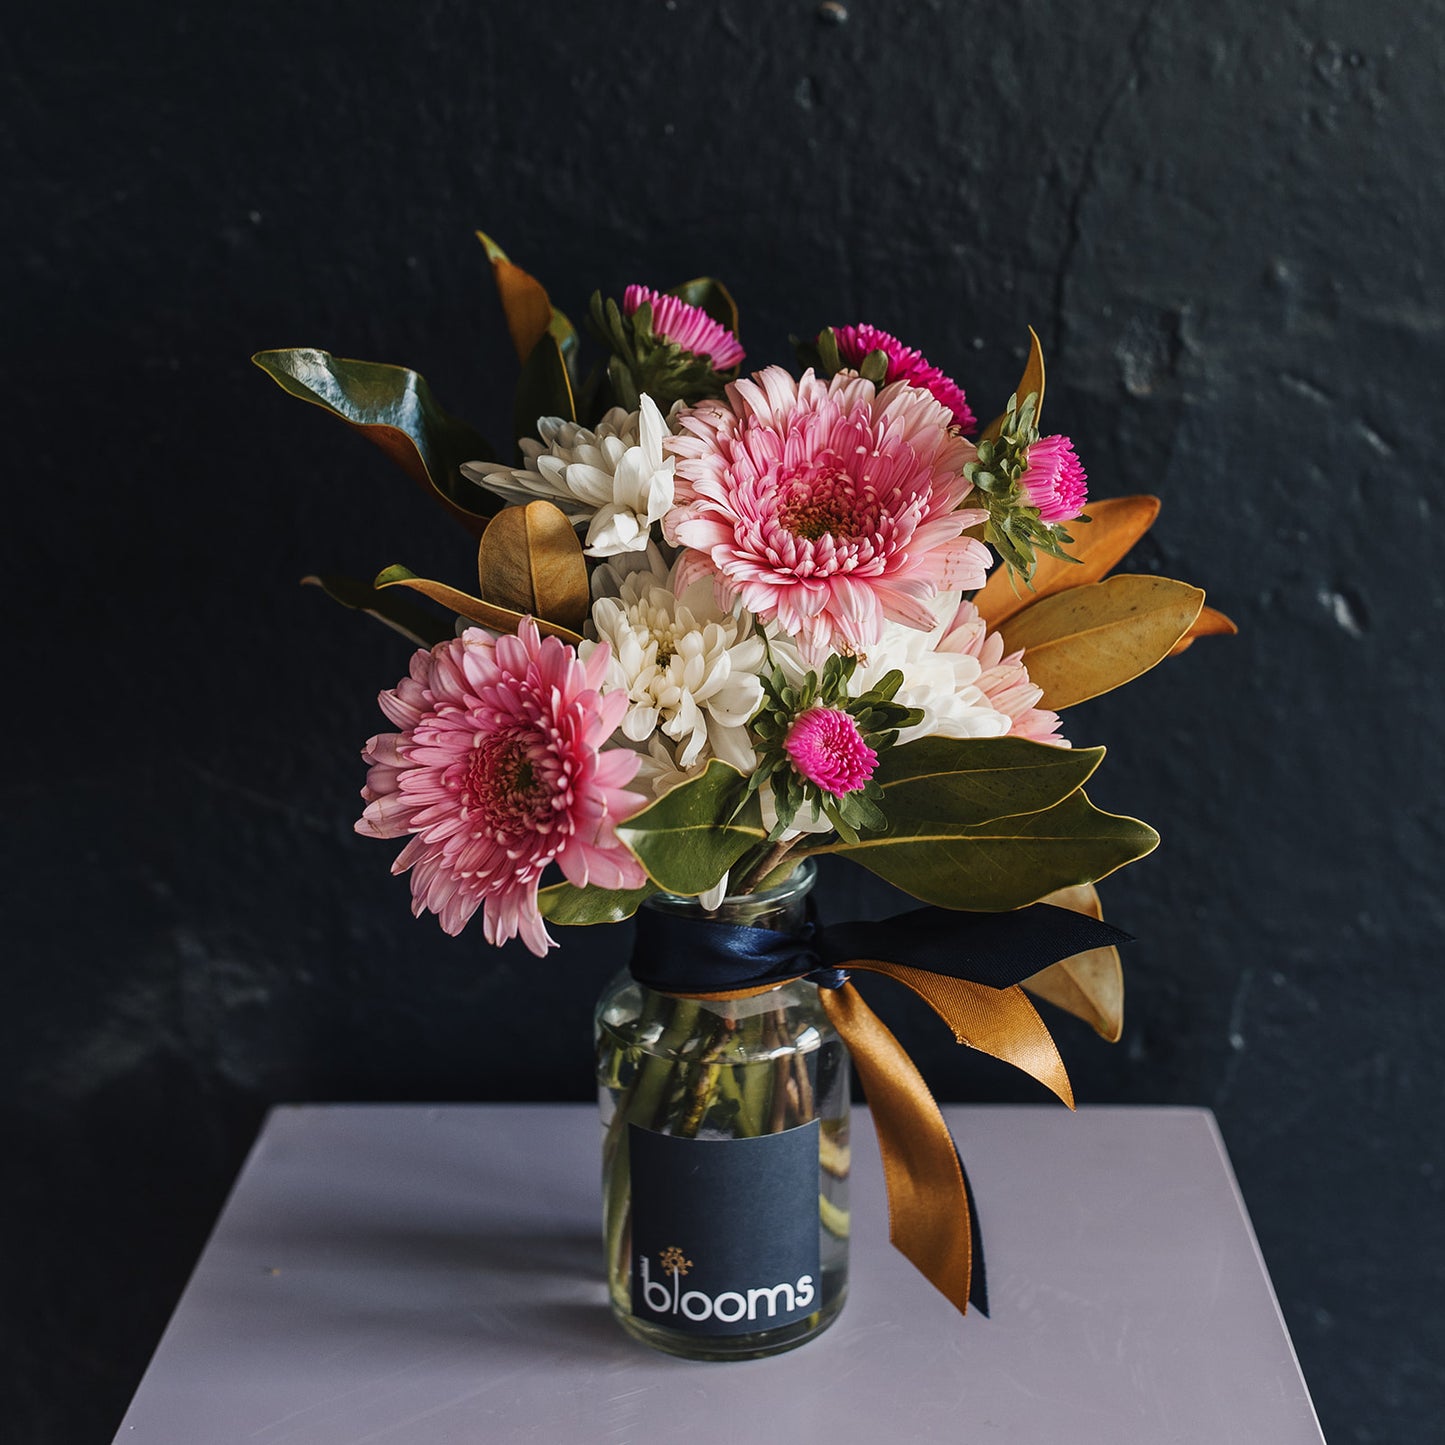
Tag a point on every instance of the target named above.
point(529, 560)
point(1032, 380)
point(474, 609)
point(1089, 640)
point(1112, 529)
point(1089, 985)
point(1209, 623)
point(525, 302)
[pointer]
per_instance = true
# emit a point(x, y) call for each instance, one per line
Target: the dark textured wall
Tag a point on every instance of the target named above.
point(1225, 223)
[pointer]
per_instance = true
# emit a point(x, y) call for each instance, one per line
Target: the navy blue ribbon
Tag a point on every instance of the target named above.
point(684, 954)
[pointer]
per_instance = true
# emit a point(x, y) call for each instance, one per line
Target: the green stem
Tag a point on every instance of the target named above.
point(765, 865)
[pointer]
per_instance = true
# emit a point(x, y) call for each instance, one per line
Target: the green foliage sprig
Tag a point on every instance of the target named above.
point(642, 361)
point(878, 719)
point(1014, 528)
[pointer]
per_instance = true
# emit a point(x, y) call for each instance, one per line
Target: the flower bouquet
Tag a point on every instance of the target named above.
point(722, 624)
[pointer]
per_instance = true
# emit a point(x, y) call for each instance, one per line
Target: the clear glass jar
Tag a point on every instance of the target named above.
point(767, 1073)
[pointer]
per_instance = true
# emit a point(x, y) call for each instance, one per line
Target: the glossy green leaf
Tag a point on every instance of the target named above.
point(570, 906)
point(973, 780)
point(398, 613)
point(393, 408)
point(1007, 863)
point(711, 296)
point(543, 389)
point(689, 837)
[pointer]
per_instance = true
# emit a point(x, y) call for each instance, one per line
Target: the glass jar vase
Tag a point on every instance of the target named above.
point(725, 1153)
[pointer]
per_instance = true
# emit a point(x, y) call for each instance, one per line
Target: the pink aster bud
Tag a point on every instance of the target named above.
point(1055, 480)
point(905, 363)
point(689, 327)
point(828, 750)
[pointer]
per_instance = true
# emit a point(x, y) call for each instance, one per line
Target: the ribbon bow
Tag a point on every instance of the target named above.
point(966, 967)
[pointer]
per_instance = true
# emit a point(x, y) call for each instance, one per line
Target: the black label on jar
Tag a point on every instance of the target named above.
point(725, 1231)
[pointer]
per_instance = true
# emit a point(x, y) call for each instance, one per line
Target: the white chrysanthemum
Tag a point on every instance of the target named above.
point(690, 671)
point(944, 686)
point(615, 481)
point(658, 772)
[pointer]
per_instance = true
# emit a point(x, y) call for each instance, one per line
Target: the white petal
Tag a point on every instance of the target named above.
point(712, 897)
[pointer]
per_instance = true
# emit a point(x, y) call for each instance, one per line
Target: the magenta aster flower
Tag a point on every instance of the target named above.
point(1054, 479)
point(1004, 681)
point(828, 750)
point(689, 327)
point(825, 506)
point(497, 772)
point(905, 364)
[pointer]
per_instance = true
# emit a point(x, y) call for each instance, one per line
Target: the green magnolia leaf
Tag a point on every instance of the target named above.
point(690, 836)
point(543, 389)
point(1007, 863)
point(973, 780)
point(398, 613)
point(394, 408)
point(569, 906)
point(711, 296)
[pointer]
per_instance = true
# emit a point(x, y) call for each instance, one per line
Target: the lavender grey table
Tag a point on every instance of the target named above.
point(410, 1275)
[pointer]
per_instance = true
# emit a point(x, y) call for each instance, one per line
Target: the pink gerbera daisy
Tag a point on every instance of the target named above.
point(497, 772)
point(1004, 680)
point(826, 506)
point(689, 327)
point(905, 364)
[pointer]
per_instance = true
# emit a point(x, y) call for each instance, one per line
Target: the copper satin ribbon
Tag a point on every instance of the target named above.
point(929, 1219)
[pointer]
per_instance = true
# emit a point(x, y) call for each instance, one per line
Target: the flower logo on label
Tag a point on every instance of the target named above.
point(674, 1262)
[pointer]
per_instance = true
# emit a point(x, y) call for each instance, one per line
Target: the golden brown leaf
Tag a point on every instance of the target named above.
point(530, 561)
point(1209, 623)
point(1112, 529)
point(1089, 985)
point(1032, 380)
point(525, 302)
point(1088, 640)
point(474, 609)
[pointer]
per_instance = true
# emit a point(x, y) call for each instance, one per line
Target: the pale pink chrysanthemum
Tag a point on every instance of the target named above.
point(1004, 680)
point(827, 749)
point(1055, 480)
point(689, 327)
point(497, 772)
point(825, 506)
point(905, 363)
